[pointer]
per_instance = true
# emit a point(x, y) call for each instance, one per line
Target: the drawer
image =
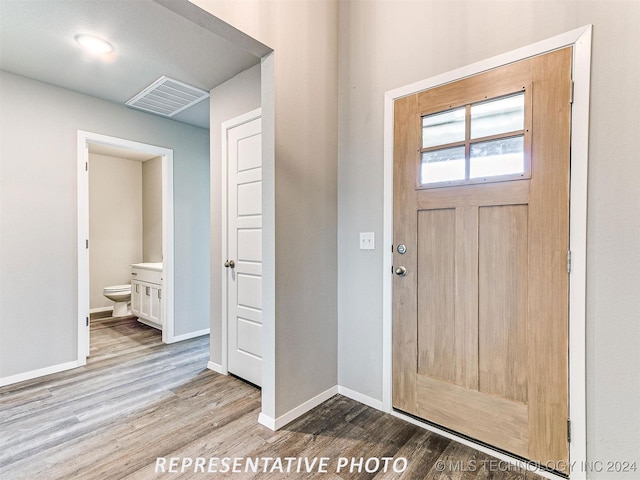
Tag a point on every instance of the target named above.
point(144, 275)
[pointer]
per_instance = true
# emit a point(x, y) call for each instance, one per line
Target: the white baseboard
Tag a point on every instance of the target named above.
point(291, 415)
point(187, 336)
point(100, 310)
point(41, 372)
point(216, 367)
point(267, 421)
point(361, 398)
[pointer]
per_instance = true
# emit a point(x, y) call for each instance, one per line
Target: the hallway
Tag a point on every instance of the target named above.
point(138, 400)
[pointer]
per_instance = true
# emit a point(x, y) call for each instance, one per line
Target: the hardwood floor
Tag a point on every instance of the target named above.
point(138, 400)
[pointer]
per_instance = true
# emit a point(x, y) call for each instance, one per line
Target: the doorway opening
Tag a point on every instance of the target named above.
point(87, 142)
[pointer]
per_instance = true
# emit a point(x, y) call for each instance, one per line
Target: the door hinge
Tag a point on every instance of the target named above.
point(86, 166)
point(571, 89)
point(87, 243)
point(568, 261)
point(86, 321)
point(568, 430)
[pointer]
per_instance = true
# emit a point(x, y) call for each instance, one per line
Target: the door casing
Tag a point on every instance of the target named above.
point(85, 138)
point(226, 126)
point(580, 39)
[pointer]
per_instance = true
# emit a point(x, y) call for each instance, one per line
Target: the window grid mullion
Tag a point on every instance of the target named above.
point(467, 142)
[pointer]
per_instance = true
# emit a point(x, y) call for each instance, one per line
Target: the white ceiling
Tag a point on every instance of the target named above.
point(37, 41)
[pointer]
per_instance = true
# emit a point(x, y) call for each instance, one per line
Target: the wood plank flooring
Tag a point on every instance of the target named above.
point(138, 400)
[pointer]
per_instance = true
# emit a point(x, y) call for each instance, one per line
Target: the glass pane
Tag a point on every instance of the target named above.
point(443, 165)
point(497, 157)
point(497, 116)
point(443, 128)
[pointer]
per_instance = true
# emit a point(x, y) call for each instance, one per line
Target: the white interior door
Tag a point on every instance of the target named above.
point(244, 250)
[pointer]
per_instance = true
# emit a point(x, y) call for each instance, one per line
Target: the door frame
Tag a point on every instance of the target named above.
point(580, 39)
point(224, 216)
point(84, 139)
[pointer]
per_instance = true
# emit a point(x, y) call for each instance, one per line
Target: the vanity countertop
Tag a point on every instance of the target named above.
point(155, 267)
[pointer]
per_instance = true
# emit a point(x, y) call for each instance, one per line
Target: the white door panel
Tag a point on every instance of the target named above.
point(244, 248)
point(249, 199)
point(249, 291)
point(249, 243)
point(249, 337)
point(249, 153)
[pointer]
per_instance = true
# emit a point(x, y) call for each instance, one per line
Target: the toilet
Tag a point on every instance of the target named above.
point(121, 294)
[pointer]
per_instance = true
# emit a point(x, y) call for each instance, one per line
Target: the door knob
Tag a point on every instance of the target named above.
point(230, 264)
point(401, 271)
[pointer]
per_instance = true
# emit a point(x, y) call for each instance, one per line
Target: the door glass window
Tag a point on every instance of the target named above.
point(497, 157)
point(443, 128)
point(499, 116)
point(444, 165)
point(478, 142)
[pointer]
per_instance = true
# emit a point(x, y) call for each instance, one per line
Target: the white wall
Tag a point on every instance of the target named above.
point(152, 210)
point(389, 44)
point(304, 334)
point(115, 223)
point(38, 269)
point(236, 96)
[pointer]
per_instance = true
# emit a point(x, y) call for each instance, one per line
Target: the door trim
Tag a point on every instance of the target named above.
point(224, 180)
point(580, 39)
point(85, 138)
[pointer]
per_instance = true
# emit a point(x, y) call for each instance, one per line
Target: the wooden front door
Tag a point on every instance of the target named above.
point(480, 294)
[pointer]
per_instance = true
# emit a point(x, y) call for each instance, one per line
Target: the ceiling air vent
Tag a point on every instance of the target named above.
point(167, 97)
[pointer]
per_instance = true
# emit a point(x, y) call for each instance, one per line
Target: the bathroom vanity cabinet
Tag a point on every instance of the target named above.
point(146, 293)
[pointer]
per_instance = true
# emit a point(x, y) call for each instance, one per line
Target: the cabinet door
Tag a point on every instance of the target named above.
point(145, 301)
point(154, 304)
point(136, 296)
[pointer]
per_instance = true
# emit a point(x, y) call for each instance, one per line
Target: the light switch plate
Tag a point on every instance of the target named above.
point(367, 241)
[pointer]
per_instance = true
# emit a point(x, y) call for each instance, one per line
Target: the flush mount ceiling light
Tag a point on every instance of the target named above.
point(93, 44)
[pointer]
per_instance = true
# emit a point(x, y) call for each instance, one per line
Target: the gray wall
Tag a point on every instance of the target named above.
point(236, 96)
point(304, 36)
point(388, 44)
point(152, 210)
point(38, 255)
point(115, 223)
